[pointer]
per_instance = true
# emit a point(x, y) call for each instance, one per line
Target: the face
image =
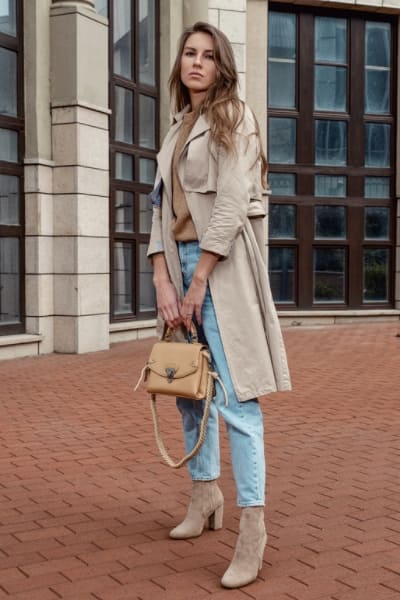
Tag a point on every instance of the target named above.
point(198, 69)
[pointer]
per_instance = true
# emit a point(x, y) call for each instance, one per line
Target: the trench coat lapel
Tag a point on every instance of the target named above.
point(165, 156)
point(201, 125)
point(164, 160)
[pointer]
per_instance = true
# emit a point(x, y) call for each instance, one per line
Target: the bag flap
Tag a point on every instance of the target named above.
point(181, 359)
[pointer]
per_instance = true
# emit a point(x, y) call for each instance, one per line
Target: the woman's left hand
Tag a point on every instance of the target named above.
point(193, 301)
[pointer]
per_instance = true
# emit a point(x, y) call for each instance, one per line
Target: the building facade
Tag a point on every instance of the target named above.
point(84, 106)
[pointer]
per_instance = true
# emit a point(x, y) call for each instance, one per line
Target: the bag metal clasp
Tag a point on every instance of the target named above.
point(170, 372)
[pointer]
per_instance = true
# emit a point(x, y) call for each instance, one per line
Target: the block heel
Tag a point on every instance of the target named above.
point(215, 520)
point(206, 508)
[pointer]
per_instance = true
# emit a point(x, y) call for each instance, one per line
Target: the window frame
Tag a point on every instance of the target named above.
point(134, 186)
point(305, 168)
point(16, 123)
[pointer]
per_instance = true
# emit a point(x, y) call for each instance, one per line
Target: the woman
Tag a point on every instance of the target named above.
point(207, 247)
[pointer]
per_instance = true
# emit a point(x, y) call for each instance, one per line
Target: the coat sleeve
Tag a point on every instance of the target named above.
point(235, 185)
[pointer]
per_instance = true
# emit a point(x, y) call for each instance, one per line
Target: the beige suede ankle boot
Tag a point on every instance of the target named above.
point(249, 551)
point(206, 504)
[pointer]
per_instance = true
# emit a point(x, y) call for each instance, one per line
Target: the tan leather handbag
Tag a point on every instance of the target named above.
point(184, 370)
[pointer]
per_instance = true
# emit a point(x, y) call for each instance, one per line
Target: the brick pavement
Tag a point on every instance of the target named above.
point(86, 504)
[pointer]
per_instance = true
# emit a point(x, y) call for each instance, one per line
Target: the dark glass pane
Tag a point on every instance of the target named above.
point(330, 88)
point(377, 145)
point(282, 36)
point(281, 274)
point(123, 166)
point(122, 278)
point(282, 221)
point(101, 7)
point(282, 140)
point(330, 143)
point(329, 275)
point(147, 122)
point(282, 60)
point(377, 91)
point(281, 84)
point(9, 281)
point(8, 82)
point(8, 21)
point(123, 115)
point(147, 301)
point(145, 213)
point(282, 184)
point(331, 186)
point(8, 145)
point(330, 40)
point(376, 223)
point(376, 270)
point(122, 36)
point(147, 170)
point(378, 64)
point(330, 222)
point(377, 187)
point(147, 42)
point(9, 200)
point(377, 44)
point(124, 220)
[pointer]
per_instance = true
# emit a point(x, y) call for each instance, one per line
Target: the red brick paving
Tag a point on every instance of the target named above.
point(86, 504)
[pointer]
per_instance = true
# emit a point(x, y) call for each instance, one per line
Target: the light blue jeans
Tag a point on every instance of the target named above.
point(244, 420)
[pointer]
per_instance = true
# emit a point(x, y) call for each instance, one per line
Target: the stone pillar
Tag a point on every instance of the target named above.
point(38, 174)
point(80, 145)
point(230, 17)
point(175, 15)
point(256, 63)
point(193, 11)
point(171, 27)
point(256, 70)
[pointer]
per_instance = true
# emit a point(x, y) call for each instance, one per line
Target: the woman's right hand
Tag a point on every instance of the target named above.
point(168, 303)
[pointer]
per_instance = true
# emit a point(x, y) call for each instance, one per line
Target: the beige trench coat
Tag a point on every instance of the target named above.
point(223, 191)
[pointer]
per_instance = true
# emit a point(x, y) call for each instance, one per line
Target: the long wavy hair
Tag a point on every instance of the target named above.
point(221, 105)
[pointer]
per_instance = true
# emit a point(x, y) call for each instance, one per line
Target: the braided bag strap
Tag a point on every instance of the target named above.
point(209, 395)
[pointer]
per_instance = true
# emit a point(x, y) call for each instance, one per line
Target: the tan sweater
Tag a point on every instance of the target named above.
point(183, 227)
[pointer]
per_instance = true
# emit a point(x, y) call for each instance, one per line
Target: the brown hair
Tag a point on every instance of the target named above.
point(222, 106)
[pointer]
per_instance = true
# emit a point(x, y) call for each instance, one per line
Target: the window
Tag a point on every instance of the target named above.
point(11, 171)
point(101, 7)
point(331, 128)
point(134, 141)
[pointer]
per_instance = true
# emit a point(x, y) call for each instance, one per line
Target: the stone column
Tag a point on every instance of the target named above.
point(175, 15)
point(171, 26)
point(256, 63)
point(193, 11)
point(256, 70)
point(80, 145)
point(230, 17)
point(38, 174)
